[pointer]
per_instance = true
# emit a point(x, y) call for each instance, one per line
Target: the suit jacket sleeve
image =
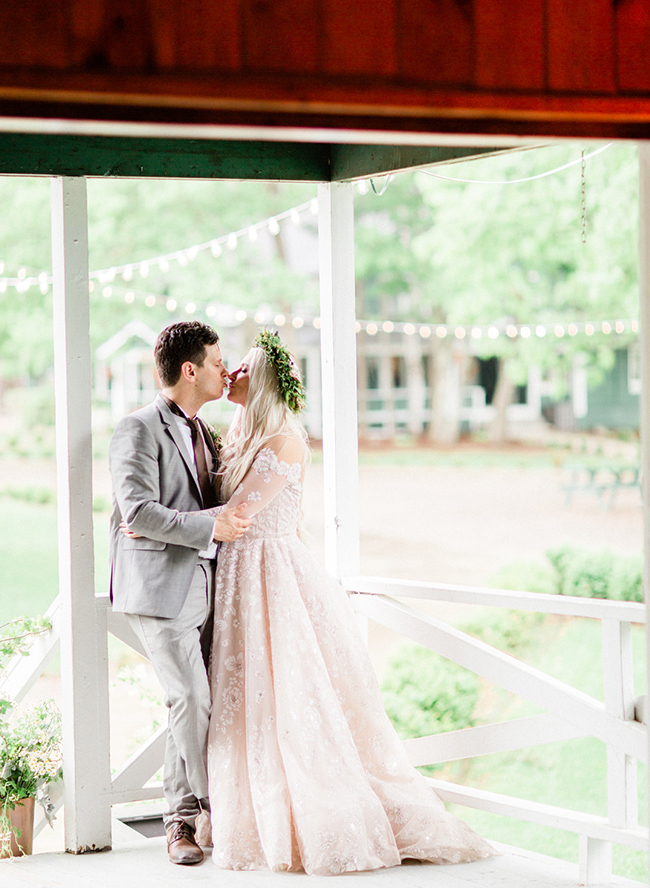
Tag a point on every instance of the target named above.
point(135, 472)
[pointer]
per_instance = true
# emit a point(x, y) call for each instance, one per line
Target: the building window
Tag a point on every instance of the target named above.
point(398, 371)
point(372, 373)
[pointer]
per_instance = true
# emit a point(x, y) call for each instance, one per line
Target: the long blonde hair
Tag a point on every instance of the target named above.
point(264, 416)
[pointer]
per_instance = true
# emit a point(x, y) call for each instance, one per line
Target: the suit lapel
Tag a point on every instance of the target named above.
point(169, 420)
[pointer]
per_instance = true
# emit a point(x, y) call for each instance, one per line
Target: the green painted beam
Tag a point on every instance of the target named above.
point(40, 154)
point(29, 154)
point(361, 161)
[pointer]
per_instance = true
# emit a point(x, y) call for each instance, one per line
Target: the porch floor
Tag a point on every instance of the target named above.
point(143, 863)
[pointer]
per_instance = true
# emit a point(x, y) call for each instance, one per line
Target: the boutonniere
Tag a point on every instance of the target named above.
point(215, 435)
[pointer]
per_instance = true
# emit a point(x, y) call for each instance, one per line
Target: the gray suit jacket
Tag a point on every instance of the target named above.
point(154, 488)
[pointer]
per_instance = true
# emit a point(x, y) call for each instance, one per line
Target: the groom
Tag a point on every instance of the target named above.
point(162, 462)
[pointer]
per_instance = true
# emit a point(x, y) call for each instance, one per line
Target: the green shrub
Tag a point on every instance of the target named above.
point(426, 694)
point(525, 576)
point(597, 574)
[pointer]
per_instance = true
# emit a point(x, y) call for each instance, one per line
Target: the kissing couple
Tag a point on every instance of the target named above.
point(277, 730)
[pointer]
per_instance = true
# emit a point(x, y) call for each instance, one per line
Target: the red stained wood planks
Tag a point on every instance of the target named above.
point(435, 41)
point(633, 45)
point(197, 34)
point(280, 35)
point(358, 37)
point(581, 46)
point(34, 34)
point(510, 44)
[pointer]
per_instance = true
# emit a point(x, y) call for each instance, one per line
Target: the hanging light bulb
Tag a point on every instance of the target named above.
point(252, 233)
point(22, 273)
point(232, 241)
point(316, 323)
point(441, 332)
point(371, 329)
point(620, 327)
point(171, 304)
point(493, 332)
point(388, 326)
point(635, 326)
point(190, 308)
point(425, 332)
point(144, 269)
point(211, 311)
point(409, 329)
point(460, 332)
point(511, 331)
point(524, 332)
point(127, 274)
point(572, 330)
point(129, 296)
point(274, 226)
point(476, 332)
point(606, 328)
point(357, 327)
point(181, 258)
point(540, 331)
point(294, 215)
point(150, 301)
point(107, 292)
point(589, 329)
point(215, 249)
point(259, 317)
point(279, 320)
point(559, 330)
point(91, 286)
point(241, 315)
point(192, 253)
point(298, 322)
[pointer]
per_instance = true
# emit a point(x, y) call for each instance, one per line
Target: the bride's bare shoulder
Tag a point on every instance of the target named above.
point(288, 447)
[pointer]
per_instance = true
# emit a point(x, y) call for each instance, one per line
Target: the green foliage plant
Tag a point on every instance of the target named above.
point(30, 741)
point(602, 574)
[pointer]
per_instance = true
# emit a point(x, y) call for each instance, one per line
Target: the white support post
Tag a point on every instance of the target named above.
point(339, 378)
point(622, 792)
point(595, 861)
point(644, 348)
point(84, 668)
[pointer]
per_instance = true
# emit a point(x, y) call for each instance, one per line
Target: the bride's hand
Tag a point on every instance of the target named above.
point(129, 533)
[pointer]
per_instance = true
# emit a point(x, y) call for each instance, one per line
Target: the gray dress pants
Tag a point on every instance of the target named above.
point(178, 649)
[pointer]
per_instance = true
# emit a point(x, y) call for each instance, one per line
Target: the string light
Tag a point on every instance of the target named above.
point(388, 326)
point(171, 304)
point(371, 329)
point(298, 322)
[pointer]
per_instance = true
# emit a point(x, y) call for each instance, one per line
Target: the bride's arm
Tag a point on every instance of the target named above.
point(268, 475)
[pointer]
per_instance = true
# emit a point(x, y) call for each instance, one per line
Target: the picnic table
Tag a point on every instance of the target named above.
point(603, 479)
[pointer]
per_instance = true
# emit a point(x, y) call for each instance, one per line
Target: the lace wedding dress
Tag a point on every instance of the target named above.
point(305, 769)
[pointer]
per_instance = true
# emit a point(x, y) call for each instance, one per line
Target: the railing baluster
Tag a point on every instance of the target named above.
point(622, 795)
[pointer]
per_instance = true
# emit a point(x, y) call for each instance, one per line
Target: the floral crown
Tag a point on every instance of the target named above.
point(292, 391)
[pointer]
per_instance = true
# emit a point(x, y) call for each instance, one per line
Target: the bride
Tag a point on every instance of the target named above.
point(305, 769)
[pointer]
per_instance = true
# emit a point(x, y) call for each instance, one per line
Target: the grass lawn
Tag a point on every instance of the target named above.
point(29, 581)
point(571, 774)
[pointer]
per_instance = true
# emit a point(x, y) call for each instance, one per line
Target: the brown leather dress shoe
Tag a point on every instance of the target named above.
point(181, 844)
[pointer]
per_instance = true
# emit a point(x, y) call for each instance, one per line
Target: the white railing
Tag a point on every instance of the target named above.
point(569, 713)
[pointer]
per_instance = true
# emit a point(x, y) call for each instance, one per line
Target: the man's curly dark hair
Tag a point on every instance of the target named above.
point(178, 343)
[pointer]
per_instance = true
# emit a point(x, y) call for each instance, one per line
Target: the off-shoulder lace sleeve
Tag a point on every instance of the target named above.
point(272, 470)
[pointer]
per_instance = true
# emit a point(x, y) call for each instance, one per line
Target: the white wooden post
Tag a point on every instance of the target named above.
point(84, 670)
point(622, 793)
point(644, 349)
point(339, 378)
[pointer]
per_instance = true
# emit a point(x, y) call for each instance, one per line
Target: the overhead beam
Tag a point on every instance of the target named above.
point(48, 154)
point(37, 154)
point(361, 161)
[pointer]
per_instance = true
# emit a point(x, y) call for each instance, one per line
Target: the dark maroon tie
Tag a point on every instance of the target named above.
point(198, 443)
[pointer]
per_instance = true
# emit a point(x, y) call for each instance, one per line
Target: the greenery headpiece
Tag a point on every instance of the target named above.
point(292, 391)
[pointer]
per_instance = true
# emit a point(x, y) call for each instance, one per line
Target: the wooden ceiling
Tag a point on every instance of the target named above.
point(533, 67)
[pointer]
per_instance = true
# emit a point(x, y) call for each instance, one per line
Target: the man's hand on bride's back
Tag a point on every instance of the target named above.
point(230, 524)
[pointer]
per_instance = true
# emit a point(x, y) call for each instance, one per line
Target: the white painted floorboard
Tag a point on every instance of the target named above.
point(143, 863)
